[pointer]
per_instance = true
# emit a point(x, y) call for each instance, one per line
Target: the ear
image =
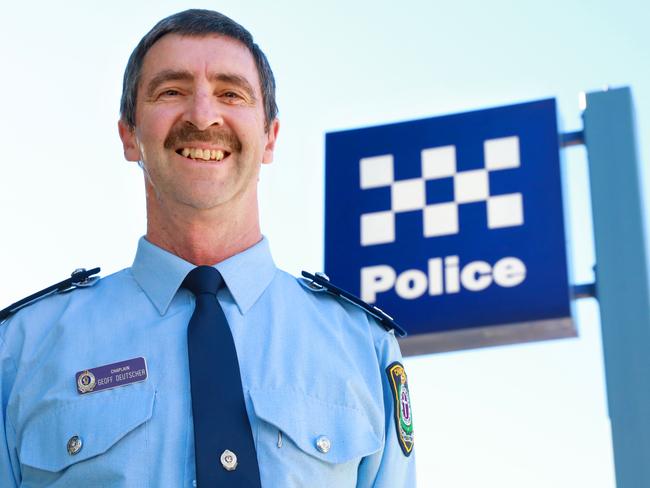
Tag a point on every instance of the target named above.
point(129, 141)
point(271, 137)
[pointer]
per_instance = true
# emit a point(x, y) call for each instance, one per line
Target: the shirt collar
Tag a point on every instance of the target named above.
point(248, 274)
point(161, 273)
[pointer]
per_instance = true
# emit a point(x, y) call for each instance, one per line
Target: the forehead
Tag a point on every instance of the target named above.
point(201, 56)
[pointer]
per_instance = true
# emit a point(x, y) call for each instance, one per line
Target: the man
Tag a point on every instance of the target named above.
point(144, 378)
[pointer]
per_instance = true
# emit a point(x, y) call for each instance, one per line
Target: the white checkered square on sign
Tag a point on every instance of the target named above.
point(440, 219)
point(505, 211)
point(438, 162)
point(376, 172)
point(377, 228)
point(471, 186)
point(408, 195)
point(501, 153)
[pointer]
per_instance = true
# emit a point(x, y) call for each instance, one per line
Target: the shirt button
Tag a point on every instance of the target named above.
point(229, 460)
point(194, 483)
point(74, 445)
point(323, 444)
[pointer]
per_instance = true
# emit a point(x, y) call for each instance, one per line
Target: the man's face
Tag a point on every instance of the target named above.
point(199, 124)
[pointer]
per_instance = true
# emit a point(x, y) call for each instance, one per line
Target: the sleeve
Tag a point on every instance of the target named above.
point(9, 473)
point(394, 465)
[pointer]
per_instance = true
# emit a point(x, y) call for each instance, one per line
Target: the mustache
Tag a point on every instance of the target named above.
point(185, 134)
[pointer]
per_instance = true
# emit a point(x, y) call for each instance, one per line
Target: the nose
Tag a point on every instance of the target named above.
point(203, 111)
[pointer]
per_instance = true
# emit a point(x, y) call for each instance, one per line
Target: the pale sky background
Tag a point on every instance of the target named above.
point(531, 415)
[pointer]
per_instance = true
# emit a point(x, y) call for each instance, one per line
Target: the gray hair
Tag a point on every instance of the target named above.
point(195, 22)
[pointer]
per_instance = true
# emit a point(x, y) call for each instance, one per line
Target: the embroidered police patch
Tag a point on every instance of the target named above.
point(402, 407)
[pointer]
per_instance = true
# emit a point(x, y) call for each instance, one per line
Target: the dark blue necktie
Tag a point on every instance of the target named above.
point(223, 442)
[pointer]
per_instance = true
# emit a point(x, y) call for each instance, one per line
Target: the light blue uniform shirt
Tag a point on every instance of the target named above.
point(312, 365)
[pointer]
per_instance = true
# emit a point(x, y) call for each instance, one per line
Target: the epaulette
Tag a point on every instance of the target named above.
point(320, 282)
point(79, 278)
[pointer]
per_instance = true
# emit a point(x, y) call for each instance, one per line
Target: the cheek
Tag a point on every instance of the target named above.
point(155, 124)
point(253, 137)
point(150, 140)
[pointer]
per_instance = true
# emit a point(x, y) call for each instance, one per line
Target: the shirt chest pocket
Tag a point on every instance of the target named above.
point(98, 436)
point(305, 441)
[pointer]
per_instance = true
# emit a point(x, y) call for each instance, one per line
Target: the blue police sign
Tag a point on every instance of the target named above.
point(451, 222)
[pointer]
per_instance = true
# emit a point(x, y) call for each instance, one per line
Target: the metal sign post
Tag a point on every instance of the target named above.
point(621, 277)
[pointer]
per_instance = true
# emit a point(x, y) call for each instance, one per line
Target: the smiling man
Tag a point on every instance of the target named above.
point(202, 364)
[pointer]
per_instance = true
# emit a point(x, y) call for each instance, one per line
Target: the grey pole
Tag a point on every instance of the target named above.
point(621, 277)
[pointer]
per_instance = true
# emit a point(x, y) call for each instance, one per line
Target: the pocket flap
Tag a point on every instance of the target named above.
point(99, 419)
point(304, 419)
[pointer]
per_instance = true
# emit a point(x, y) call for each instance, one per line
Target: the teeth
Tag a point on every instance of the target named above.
point(203, 154)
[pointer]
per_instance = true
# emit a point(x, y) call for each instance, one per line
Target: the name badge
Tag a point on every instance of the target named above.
point(111, 376)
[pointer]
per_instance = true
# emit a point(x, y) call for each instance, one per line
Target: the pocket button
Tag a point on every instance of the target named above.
point(74, 445)
point(323, 444)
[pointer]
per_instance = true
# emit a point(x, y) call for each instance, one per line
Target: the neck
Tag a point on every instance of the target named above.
point(203, 237)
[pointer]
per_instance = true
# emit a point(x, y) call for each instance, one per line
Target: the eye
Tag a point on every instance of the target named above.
point(231, 95)
point(168, 93)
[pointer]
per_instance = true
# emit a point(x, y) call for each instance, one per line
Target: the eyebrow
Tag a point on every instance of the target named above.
point(182, 75)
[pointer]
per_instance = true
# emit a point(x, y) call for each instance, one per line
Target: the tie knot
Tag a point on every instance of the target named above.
point(203, 279)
